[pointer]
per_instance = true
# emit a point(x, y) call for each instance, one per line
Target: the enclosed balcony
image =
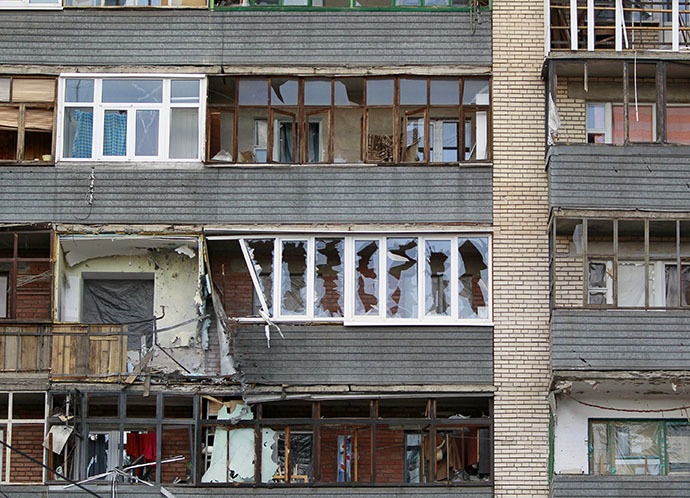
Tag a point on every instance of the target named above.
point(617, 25)
point(620, 293)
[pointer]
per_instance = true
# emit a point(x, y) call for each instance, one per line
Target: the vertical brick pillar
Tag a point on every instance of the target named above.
point(520, 196)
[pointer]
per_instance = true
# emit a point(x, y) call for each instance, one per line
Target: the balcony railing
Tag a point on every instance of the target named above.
point(617, 25)
point(65, 351)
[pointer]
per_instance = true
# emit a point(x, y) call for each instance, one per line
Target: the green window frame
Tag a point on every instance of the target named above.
point(610, 462)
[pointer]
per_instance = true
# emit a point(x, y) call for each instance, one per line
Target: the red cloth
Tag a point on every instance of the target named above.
point(133, 449)
point(147, 446)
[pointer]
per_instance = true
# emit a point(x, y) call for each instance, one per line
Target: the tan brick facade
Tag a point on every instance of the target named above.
point(521, 338)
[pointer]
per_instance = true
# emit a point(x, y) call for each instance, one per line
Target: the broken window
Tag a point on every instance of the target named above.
point(135, 3)
point(25, 275)
point(644, 447)
point(347, 278)
point(26, 119)
point(343, 441)
point(347, 120)
point(351, 4)
point(131, 118)
point(628, 263)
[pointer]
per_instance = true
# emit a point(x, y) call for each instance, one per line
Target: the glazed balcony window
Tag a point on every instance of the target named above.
point(349, 120)
point(402, 279)
point(461, 5)
point(128, 118)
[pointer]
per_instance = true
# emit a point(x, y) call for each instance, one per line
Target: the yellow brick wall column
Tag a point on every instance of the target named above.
point(521, 334)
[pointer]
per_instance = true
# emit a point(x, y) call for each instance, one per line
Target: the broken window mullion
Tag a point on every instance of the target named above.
point(585, 263)
point(615, 262)
point(626, 104)
point(646, 263)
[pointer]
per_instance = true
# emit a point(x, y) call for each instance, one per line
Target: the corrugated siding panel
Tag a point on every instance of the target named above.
point(620, 486)
point(265, 195)
point(139, 491)
point(613, 177)
point(620, 340)
point(367, 355)
point(167, 37)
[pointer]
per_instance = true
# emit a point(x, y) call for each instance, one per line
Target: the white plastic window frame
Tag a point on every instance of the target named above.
point(349, 317)
point(28, 4)
point(164, 118)
point(607, 131)
point(9, 422)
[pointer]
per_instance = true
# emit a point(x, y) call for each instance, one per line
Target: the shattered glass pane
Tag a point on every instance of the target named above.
point(672, 285)
point(597, 275)
point(401, 292)
point(261, 254)
point(437, 277)
point(294, 278)
point(298, 456)
point(366, 277)
point(678, 447)
point(473, 275)
point(328, 282)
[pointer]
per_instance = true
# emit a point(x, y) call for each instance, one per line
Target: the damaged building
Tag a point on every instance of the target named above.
point(292, 247)
point(619, 239)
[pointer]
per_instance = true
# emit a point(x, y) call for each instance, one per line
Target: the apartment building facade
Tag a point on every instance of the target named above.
point(273, 248)
point(617, 166)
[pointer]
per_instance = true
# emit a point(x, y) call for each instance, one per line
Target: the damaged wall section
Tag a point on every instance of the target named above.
point(121, 279)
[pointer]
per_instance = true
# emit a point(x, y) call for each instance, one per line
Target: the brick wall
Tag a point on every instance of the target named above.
point(33, 298)
point(568, 274)
point(573, 114)
point(230, 275)
point(175, 442)
point(29, 439)
point(521, 277)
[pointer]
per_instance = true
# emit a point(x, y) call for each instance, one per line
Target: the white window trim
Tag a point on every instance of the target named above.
point(349, 317)
point(27, 4)
point(164, 117)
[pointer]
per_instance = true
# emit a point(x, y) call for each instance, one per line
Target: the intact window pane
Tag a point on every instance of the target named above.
point(412, 91)
point(444, 92)
point(328, 263)
point(366, 277)
point(380, 92)
point(147, 133)
point(437, 277)
point(115, 133)
point(475, 92)
point(317, 92)
point(294, 278)
point(184, 133)
point(149, 91)
point(5, 89)
point(78, 90)
point(184, 91)
point(253, 91)
point(401, 292)
point(261, 254)
point(596, 116)
point(78, 132)
point(678, 447)
point(450, 142)
point(473, 275)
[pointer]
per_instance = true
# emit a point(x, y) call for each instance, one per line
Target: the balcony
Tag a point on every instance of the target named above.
point(617, 25)
point(573, 486)
point(644, 177)
point(65, 351)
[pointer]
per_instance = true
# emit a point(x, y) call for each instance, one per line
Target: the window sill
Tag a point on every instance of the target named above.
point(472, 164)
